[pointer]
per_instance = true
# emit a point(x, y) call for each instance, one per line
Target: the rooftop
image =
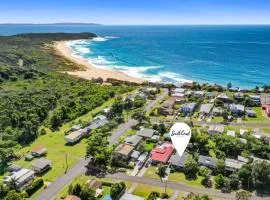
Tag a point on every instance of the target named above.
point(128, 196)
point(133, 140)
point(176, 160)
point(125, 149)
point(206, 108)
point(235, 164)
point(162, 153)
point(41, 164)
point(206, 160)
point(73, 135)
point(146, 132)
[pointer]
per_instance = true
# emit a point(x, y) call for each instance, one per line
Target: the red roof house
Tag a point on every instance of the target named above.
point(162, 153)
point(266, 108)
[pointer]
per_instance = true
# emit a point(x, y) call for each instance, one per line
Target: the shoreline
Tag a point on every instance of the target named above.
point(91, 71)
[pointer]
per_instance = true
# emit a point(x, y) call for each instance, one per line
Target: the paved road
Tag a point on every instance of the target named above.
point(79, 168)
point(172, 185)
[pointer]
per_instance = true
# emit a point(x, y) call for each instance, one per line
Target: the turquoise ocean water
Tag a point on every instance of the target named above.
point(215, 54)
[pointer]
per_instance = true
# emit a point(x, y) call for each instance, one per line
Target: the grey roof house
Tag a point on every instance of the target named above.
point(188, 108)
point(133, 140)
point(206, 108)
point(237, 109)
point(207, 161)
point(178, 162)
point(233, 165)
point(146, 132)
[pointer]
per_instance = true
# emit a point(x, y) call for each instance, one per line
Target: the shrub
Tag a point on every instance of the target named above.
point(34, 187)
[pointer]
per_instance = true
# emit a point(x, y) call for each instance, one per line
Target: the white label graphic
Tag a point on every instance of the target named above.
point(180, 135)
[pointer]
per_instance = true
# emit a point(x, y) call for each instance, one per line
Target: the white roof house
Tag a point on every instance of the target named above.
point(74, 137)
point(21, 177)
point(206, 108)
point(231, 133)
point(243, 131)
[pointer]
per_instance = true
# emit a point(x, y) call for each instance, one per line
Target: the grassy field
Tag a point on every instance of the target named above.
point(180, 178)
point(174, 177)
point(149, 146)
point(144, 190)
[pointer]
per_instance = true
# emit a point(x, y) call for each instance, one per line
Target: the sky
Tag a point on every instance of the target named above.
point(136, 12)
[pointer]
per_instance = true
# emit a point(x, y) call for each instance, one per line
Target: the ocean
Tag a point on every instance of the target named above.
point(207, 54)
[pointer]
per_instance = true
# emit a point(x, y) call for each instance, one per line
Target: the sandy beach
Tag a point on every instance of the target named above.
point(91, 71)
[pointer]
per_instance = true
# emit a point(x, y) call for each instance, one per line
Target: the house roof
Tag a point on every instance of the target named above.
point(237, 107)
point(125, 149)
point(143, 156)
point(73, 135)
point(95, 184)
point(128, 196)
point(177, 94)
point(190, 106)
point(97, 123)
point(179, 90)
point(235, 164)
point(76, 127)
point(217, 110)
point(216, 128)
point(231, 133)
point(146, 132)
point(39, 150)
point(162, 153)
point(41, 164)
point(265, 99)
point(133, 140)
point(20, 176)
point(206, 108)
point(250, 112)
point(176, 160)
point(222, 96)
point(206, 160)
point(135, 154)
point(72, 197)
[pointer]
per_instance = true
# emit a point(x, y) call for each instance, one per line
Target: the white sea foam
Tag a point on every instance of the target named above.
point(172, 76)
point(100, 60)
point(100, 39)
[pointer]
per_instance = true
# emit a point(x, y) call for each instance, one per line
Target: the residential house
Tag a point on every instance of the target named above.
point(146, 132)
point(124, 150)
point(14, 168)
point(149, 91)
point(21, 178)
point(231, 133)
point(216, 129)
point(74, 137)
point(133, 140)
point(217, 111)
point(178, 162)
point(239, 96)
point(135, 155)
point(237, 109)
point(188, 84)
point(207, 161)
point(128, 196)
point(39, 151)
point(162, 153)
point(178, 95)
point(265, 102)
point(199, 93)
point(143, 157)
point(232, 165)
point(76, 127)
point(255, 98)
point(96, 186)
point(180, 100)
point(210, 95)
point(99, 122)
point(243, 131)
point(251, 113)
point(188, 108)
point(167, 107)
point(224, 97)
point(243, 140)
point(206, 108)
point(41, 165)
point(72, 197)
point(180, 90)
point(242, 159)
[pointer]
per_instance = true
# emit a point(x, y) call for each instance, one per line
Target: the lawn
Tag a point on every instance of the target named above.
point(144, 190)
point(149, 146)
point(217, 119)
point(178, 177)
point(260, 116)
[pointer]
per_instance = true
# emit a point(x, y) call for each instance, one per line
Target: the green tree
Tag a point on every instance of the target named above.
point(117, 189)
point(220, 181)
point(234, 181)
point(140, 115)
point(204, 171)
point(161, 171)
point(3, 190)
point(261, 175)
point(245, 176)
point(220, 167)
point(14, 195)
point(191, 168)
